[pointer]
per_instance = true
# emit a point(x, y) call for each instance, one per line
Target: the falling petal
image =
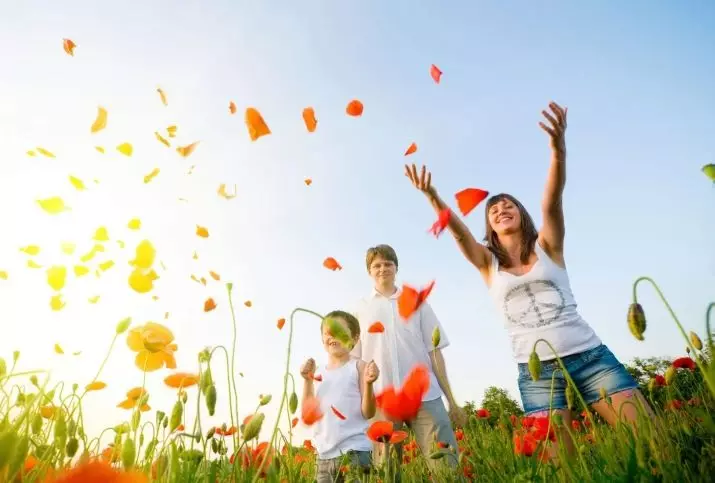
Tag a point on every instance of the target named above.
point(191, 169)
point(248, 303)
point(56, 302)
point(3, 275)
point(144, 255)
point(709, 170)
point(100, 121)
point(195, 278)
point(58, 349)
point(338, 413)
point(151, 176)
point(45, 152)
point(80, 270)
point(166, 315)
point(203, 281)
point(308, 181)
point(162, 96)
point(104, 266)
point(441, 223)
point(332, 264)
point(376, 328)
point(232, 107)
point(101, 234)
point(31, 250)
point(309, 118)
point(209, 305)
point(54, 205)
point(202, 232)
point(257, 127)
point(155, 298)
point(94, 299)
point(215, 275)
point(162, 139)
point(100, 149)
point(120, 243)
point(186, 151)
point(126, 149)
point(469, 198)
point(31, 153)
point(77, 183)
point(171, 131)
point(56, 276)
point(281, 322)
point(195, 256)
point(435, 73)
point(67, 248)
point(222, 192)
point(141, 281)
point(33, 264)
point(134, 224)
point(68, 45)
point(354, 108)
point(411, 149)
point(76, 353)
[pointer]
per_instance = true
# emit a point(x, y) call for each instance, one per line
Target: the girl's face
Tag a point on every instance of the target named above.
point(332, 345)
point(504, 217)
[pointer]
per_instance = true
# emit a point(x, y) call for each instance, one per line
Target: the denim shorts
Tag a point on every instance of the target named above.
point(591, 370)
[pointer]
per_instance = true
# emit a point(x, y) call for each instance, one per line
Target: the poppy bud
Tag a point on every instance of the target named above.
point(211, 399)
point(129, 452)
point(74, 388)
point(149, 452)
point(695, 340)
point(123, 325)
point(651, 385)
point(141, 440)
point(37, 424)
point(184, 396)
point(33, 380)
point(15, 356)
point(214, 446)
point(253, 428)
point(229, 286)
point(206, 380)
point(570, 395)
point(160, 417)
point(636, 320)
point(670, 375)
point(435, 455)
point(556, 417)
point(165, 422)
point(265, 399)
point(176, 413)
point(136, 418)
point(72, 447)
point(293, 403)
point(435, 337)
point(687, 350)
point(210, 433)
point(61, 429)
point(534, 366)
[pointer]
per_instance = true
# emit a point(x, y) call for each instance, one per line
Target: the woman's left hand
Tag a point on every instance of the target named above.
point(556, 128)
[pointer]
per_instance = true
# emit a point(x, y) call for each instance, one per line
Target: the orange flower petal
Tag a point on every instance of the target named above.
point(354, 108)
point(68, 45)
point(209, 305)
point(308, 181)
point(332, 264)
point(180, 380)
point(247, 303)
point(281, 323)
point(95, 386)
point(215, 275)
point(411, 150)
point(435, 73)
point(309, 118)
point(232, 107)
point(202, 231)
point(257, 127)
point(186, 151)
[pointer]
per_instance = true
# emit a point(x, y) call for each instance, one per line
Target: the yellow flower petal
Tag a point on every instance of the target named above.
point(162, 139)
point(151, 176)
point(45, 152)
point(142, 282)
point(95, 386)
point(80, 270)
point(58, 349)
point(148, 361)
point(171, 130)
point(3, 275)
point(162, 95)
point(134, 339)
point(77, 183)
point(134, 224)
point(100, 149)
point(104, 266)
point(31, 153)
point(53, 205)
point(186, 151)
point(126, 149)
point(101, 120)
point(127, 404)
point(56, 302)
point(222, 192)
point(144, 255)
point(33, 264)
point(101, 234)
point(93, 300)
point(56, 276)
point(31, 250)
point(67, 248)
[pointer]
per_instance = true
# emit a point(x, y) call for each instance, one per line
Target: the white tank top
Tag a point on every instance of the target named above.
point(340, 389)
point(540, 305)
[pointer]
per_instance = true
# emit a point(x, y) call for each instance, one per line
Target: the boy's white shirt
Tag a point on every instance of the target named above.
point(402, 345)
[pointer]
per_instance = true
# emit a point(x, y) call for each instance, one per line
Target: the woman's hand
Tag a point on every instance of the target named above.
point(556, 128)
point(421, 181)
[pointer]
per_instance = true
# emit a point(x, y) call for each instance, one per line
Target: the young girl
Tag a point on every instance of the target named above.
point(525, 272)
point(346, 399)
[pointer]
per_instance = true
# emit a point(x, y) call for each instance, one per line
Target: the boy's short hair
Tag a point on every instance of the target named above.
point(350, 319)
point(382, 251)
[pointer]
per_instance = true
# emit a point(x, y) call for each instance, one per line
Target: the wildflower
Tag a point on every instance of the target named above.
point(483, 413)
point(684, 363)
point(404, 404)
point(383, 432)
point(95, 471)
point(636, 320)
point(524, 444)
point(153, 344)
point(180, 380)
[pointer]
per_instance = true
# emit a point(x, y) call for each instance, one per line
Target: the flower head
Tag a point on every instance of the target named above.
point(153, 344)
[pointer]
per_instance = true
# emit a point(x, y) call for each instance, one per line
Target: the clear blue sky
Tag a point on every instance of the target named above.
point(637, 78)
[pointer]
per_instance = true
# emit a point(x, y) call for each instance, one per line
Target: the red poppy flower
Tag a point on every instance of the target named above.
point(404, 404)
point(684, 363)
point(384, 431)
point(543, 429)
point(483, 413)
point(524, 444)
point(659, 380)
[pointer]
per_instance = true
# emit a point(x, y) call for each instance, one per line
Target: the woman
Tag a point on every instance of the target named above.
point(525, 272)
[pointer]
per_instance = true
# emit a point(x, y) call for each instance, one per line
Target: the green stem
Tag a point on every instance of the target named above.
point(706, 375)
point(707, 328)
point(285, 381)
point(229, 289)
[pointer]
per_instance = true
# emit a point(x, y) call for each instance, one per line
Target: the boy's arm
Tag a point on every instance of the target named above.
point(308, 389)
point(368, 404)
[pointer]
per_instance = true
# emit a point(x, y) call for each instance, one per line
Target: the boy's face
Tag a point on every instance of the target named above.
point(332, 345)
point(383, 271)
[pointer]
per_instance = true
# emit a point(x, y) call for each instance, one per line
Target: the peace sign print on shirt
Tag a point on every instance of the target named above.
point(533, 304)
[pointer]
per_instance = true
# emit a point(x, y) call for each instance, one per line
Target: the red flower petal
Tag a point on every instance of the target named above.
point(435, 73)
point(338, 413)
point(469, 198)
point(376, 328)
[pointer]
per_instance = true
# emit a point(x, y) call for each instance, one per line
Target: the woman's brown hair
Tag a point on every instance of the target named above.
point(529, 235)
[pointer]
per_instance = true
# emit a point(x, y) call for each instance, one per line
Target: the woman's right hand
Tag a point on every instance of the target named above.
point(422, 180)
point(308, 369)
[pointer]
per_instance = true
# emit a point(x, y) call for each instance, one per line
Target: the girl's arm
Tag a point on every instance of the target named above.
point(475, 252)
point(367, 374)
point(554, 229)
